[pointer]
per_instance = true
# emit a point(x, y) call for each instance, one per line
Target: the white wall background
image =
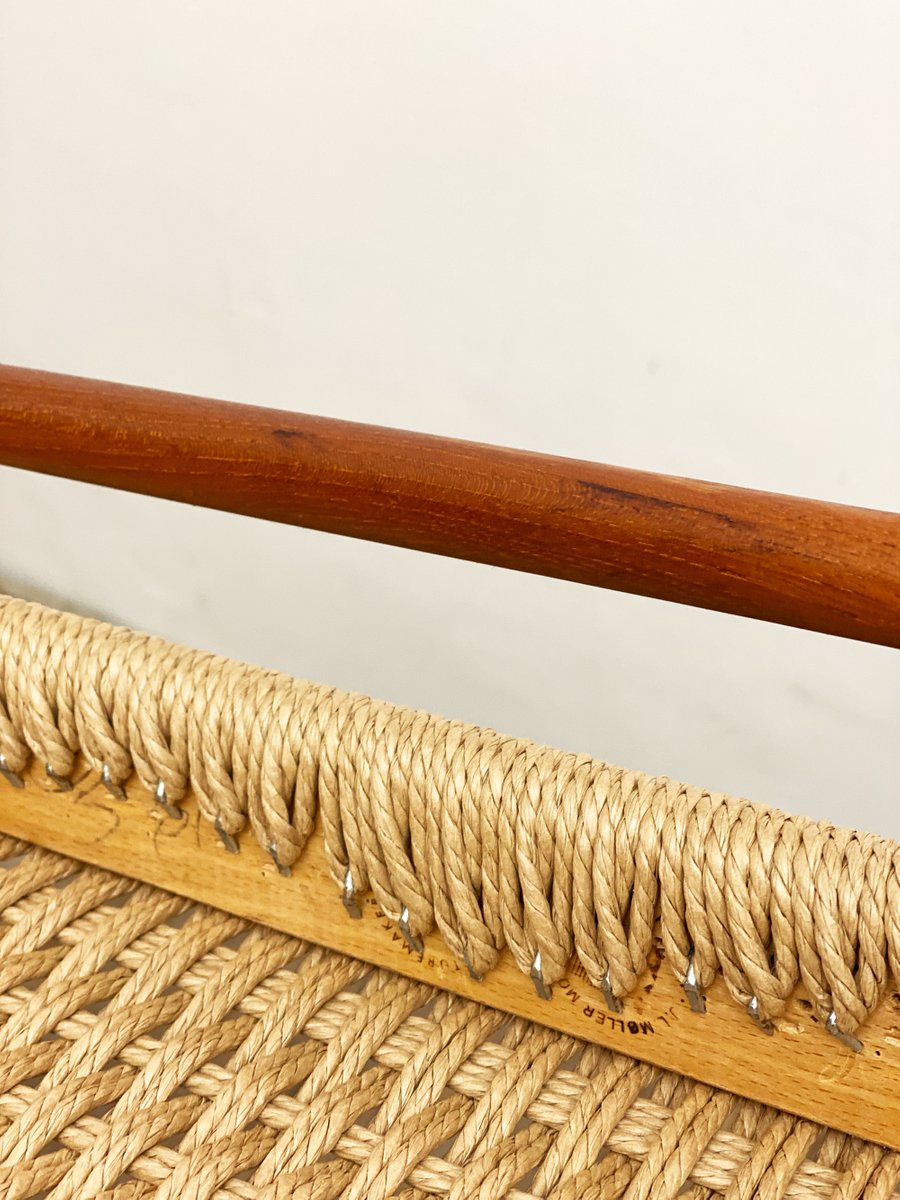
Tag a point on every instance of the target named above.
point(654, 234)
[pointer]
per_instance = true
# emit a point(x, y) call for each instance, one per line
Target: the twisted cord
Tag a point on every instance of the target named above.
point(158, 1048)
point(494, 841)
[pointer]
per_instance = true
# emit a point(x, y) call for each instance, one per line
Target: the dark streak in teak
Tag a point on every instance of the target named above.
point(288, 435)
point(641, 499)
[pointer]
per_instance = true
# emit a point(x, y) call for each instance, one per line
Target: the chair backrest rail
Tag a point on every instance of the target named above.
point(827, 567)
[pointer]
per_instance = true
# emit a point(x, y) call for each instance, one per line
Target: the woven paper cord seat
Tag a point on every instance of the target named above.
point(154, 1047)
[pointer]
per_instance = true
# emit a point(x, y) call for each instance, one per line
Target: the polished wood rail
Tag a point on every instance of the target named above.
point(807, 563)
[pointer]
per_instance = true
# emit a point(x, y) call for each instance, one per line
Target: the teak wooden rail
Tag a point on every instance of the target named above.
point(820, 566)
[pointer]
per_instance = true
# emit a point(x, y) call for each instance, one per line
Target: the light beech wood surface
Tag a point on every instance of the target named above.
point(800, 1067)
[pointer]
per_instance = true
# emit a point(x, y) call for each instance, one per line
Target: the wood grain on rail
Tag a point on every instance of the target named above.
point(807, 563)
point(800, 1068)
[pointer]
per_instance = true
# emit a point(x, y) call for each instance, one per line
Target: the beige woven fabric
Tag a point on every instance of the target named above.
point(493, 840)
point(150, 1047)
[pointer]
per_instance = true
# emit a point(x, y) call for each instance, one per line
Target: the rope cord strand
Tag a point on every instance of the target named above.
point(159, 1049)
point(495, 841)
